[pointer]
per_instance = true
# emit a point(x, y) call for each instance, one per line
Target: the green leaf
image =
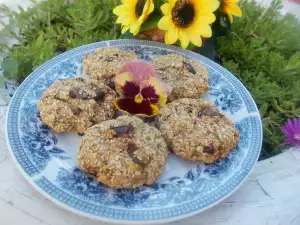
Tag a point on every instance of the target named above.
point(150, 23)
point(2, 79)
point(9, 67)
point(263, 109)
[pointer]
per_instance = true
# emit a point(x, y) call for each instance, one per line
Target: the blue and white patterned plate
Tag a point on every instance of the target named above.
point(48, 160)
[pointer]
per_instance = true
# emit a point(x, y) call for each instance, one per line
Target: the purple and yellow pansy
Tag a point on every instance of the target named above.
point(141, 92)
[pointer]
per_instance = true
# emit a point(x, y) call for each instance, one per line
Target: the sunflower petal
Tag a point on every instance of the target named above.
point(206, 18)
point(171, 36)
point(235, 10)
point(184, 38)
point(207, 5)
point(230, 18)
point(135, 27)
point(119, 10)
point(205, 31)
point(195, 38)
point(165, 23)
point(125, 28)
point(166, 9)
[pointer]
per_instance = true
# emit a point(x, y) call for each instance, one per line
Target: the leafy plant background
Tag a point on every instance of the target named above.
point(262, 50)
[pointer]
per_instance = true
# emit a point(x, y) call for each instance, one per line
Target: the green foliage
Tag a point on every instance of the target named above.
point(51, 27)
point(263, 51)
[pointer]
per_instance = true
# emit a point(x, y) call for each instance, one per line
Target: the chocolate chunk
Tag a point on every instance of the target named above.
point(76, 111)
point(170, 149)
point(208, 112)
point(111, 84)
point(80, 134)
point(122, 130)
point(209, 149)
point(131, 148)
point(189, 67)
point(109, 59)
point(78, 93)
point(100, 93)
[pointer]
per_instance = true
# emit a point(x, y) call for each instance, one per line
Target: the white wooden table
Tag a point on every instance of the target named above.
point(270, 196)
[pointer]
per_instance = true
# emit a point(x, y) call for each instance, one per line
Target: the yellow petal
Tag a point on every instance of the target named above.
point(166, 9)
point(120, 81)
point(207, 5)
point(230, 18)
point(119, 10)
point(155, 110)
point(171, 35)
point(205, 30)
point(184, 39)
point(125, 28)
point(151, 7)
point(195, 38)
point(159, 89)
point(135, 28)
point(124, 20)
point(235, 10)
point(207, 18)
point(165, 23)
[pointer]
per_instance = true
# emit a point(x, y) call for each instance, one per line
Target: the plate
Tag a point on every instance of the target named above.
point(48, 160)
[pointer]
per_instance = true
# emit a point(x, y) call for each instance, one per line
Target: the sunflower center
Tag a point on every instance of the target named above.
point(139, 8)
point(183, 13)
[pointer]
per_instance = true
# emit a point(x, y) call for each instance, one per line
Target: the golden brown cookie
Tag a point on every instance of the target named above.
point(75, 105)
point(104, 63)
point(187, 77)
point(197, 131)
point(123, 153)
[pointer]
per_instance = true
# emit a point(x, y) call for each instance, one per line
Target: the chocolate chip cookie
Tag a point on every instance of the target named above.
point(187, 77)
point(123, 153)
point(75, 105)
point(104, 63)
point(197, 131)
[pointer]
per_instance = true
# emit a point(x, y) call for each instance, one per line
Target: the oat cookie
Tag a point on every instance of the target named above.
point(187, 77)
point(197, 131)
point(123, 153)
point(104, 63)
point(75, 105)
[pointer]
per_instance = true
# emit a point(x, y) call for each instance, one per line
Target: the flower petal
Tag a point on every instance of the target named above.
point(195, 38)
point(166, 9)
point(125, 28)
point(171, 36)
point(121, 79)
point(162, 89)
point(205, 31)
point(184, 39)
point(149, 94)
point(130, 106)
point(140, 70)
point(165, 23)
point(235, 10)
point(130, 90)
point(207, 5)
point(135, 27)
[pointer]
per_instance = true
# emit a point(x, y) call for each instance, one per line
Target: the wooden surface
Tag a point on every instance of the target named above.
point(270, 196)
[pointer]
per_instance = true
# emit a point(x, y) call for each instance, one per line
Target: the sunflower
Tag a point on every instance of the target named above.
point(132, 13)
point(230, 8)
point(187, 20)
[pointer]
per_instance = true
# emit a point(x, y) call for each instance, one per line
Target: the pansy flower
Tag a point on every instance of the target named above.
point(141, 91)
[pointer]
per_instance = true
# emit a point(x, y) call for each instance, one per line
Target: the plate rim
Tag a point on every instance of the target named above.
point(124, 221)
